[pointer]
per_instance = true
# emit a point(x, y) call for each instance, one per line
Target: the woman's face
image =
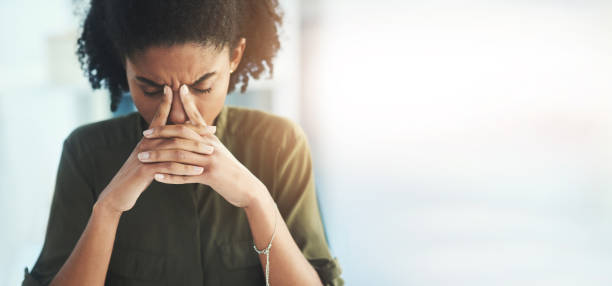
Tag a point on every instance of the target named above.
point(205, 70)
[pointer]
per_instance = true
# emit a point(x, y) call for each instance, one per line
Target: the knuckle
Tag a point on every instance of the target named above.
point(152, 143)
point(175, 141)
point(179, 154)
point(199, 145)
point(175, 166)
point(215, 144)
point(209, 149)
point(203, 130)
point(183, 129)
point(153, 155)
point(143, 145)
point(211, 160)
point(179, 179)
point(148, 145)
point(168, 167)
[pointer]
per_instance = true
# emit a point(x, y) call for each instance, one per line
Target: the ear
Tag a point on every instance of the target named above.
point(236, 54)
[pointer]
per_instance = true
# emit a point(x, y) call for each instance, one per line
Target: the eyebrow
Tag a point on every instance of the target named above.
point(148, 81)
point(155, 84)
point(203, 78)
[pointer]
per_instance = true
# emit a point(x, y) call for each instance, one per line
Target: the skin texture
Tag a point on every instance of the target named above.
point(181, 64)
point(180, 147)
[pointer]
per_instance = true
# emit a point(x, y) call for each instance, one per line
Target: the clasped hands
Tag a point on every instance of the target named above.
point(191, 153)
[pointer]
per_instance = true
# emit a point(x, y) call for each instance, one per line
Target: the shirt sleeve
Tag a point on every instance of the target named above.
point(71, 206)
point(294, 193)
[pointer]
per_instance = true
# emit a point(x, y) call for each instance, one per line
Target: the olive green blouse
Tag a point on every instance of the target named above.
point(186, 234)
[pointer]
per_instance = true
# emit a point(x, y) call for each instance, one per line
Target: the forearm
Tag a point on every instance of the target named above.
point(88, 262)
point(288, 266)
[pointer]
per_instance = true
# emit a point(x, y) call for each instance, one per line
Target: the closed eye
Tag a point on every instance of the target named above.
point(202, 91)
point(161, 91)
point(153, 93)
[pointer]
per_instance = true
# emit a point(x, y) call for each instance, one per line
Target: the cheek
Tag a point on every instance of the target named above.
point(211, 106)
point(146, 106)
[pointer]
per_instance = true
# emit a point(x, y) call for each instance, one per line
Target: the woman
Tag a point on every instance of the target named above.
point(186, 191)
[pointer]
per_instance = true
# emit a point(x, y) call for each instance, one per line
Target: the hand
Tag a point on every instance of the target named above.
point(134, 177)
point(191, 145)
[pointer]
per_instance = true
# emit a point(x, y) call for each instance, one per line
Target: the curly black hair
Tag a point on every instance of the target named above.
point(116, 29)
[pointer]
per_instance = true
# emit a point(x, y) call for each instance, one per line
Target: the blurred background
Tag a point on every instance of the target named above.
point(454, 142)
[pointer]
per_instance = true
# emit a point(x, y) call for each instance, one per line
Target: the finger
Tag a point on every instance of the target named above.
point(178, 143)
point(176, 179)
point(161, 116)
point(189, 106)
point(175, 168)
point(169, 131)
point(203, 130)
point(174, 155)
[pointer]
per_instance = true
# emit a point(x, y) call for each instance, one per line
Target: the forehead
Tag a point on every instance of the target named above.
point(180, 62)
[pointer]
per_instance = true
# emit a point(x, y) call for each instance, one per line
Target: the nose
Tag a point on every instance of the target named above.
point(177, 112)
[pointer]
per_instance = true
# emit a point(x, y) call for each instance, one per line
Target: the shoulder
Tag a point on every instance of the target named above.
point(105, 133)
point(271, 128)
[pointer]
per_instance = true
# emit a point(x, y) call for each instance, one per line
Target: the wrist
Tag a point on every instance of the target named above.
point(259, 197)
point(103, 208)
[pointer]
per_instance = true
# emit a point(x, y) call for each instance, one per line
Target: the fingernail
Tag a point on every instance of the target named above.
point(167, 90)
point(147, 132)
point(198, 169)
point(143, 155)
point(159, 176)
point(211, 129)
point(183, 90)
point(209, 149)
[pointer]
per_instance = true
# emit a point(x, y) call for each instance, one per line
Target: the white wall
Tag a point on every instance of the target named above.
point(465, 142)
